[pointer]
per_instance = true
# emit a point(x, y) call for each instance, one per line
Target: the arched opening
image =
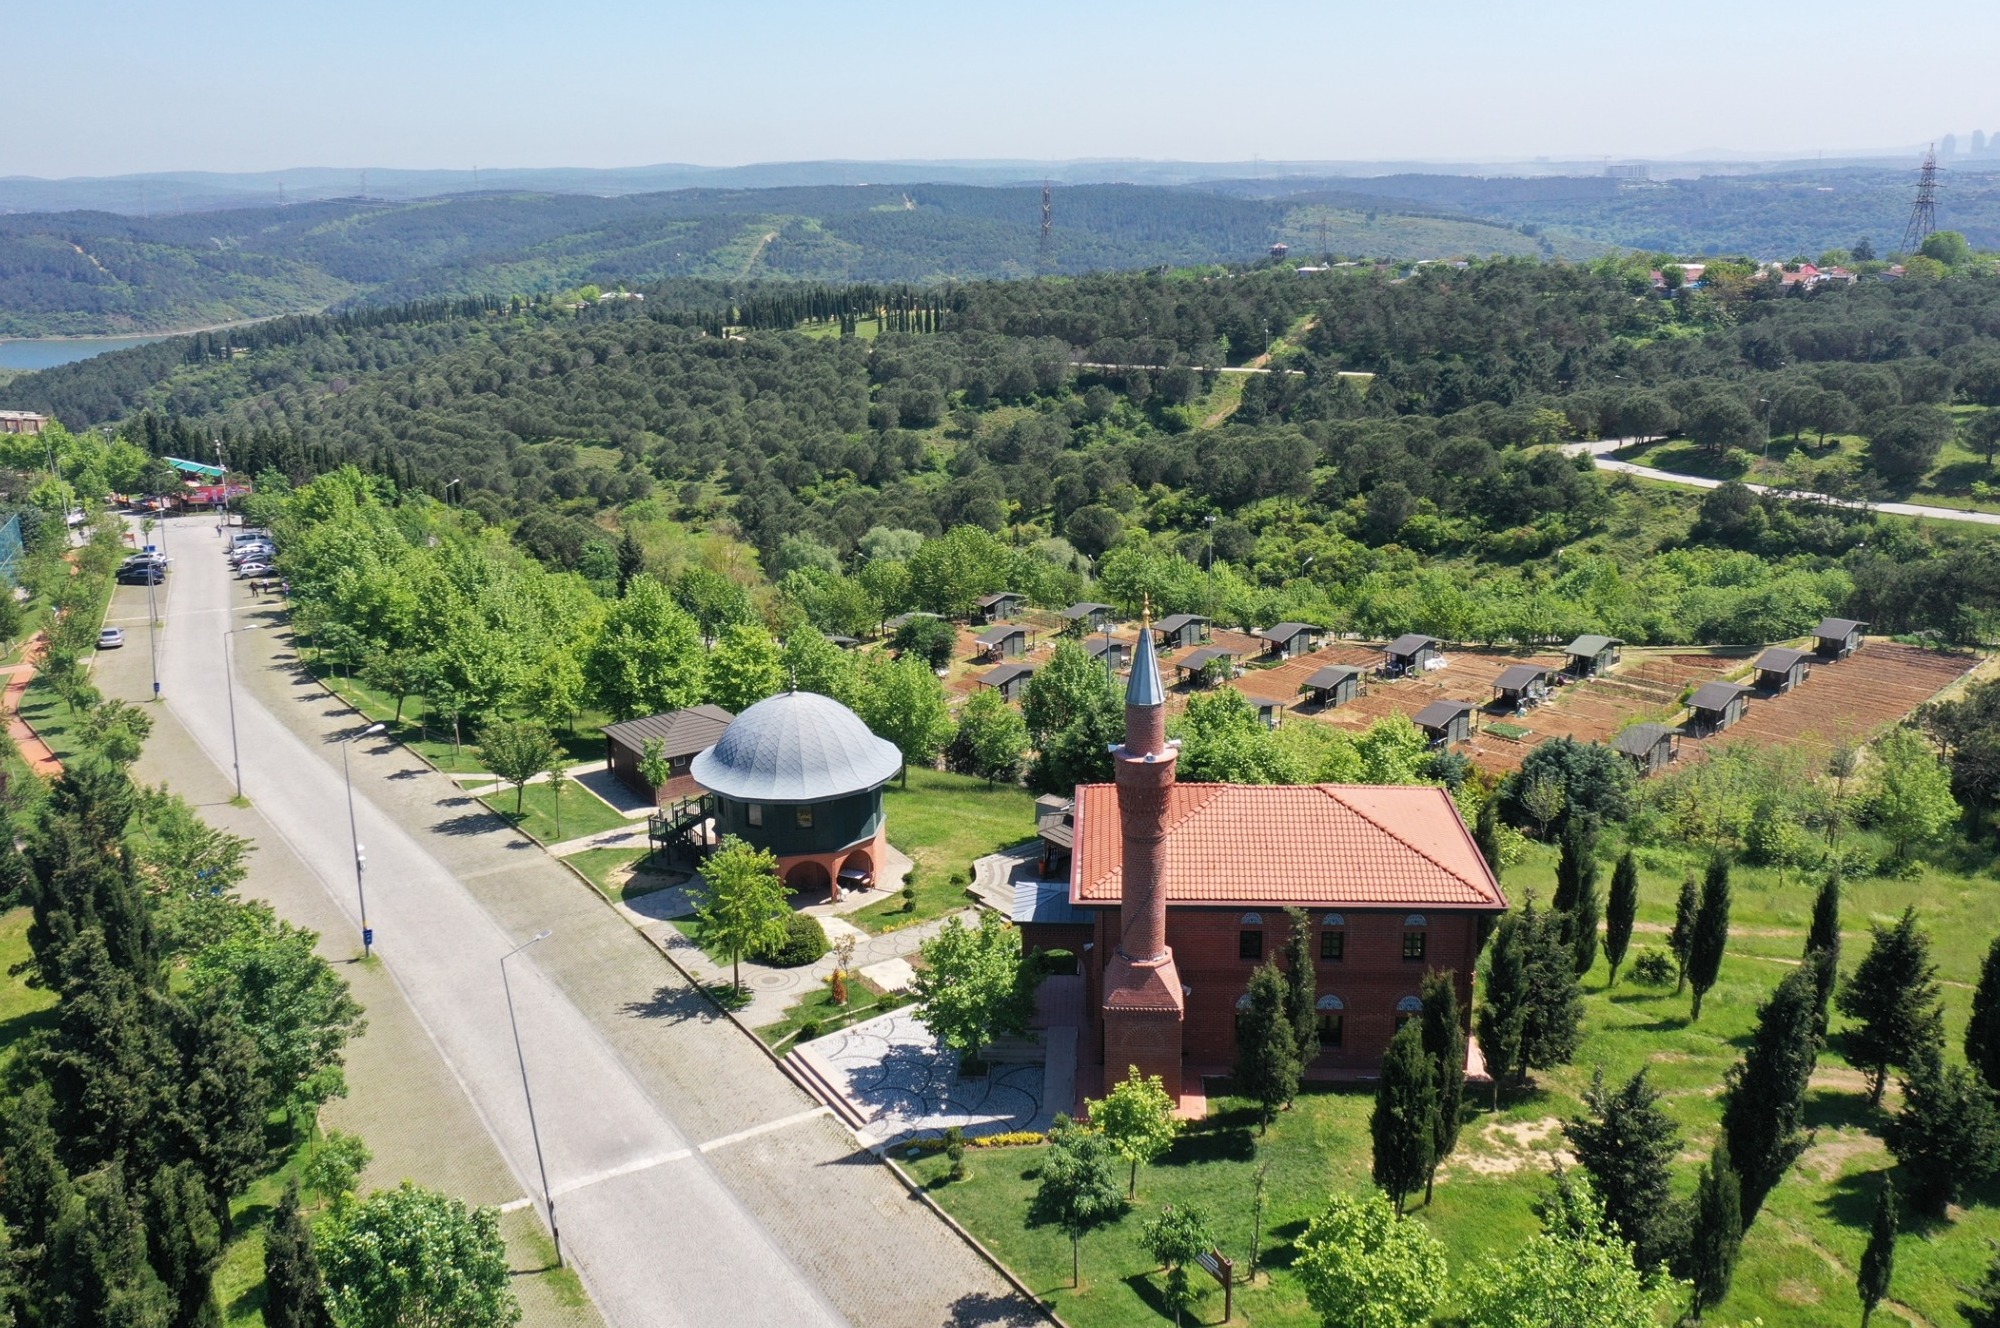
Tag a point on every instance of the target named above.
point(857, 871)
point(808, 877)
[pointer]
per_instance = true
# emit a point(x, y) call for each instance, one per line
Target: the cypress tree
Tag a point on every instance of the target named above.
point(1628, 1145)
point(1764, 1094)
point(1553, 1022)
point(185, 1243)
point(1681, 939)
point(294, 1291)
point(1300, 991)
point(1894, 996)
point(1486, 833)
point(1823, 942)
point(1504, 1009)
point(1576, 864)
point(631, 560)
point(1715, 1234)
point(1621, 913)
point(1583, 923)
point(1982, 1031)
point(1946, 1133)
point(1444, 1043)
point(1404, 1124)
point(1711, 932)
point(1267, 1060)
point(1878, 1261)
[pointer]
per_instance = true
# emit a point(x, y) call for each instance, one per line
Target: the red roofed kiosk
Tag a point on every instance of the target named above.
point(1186, 884)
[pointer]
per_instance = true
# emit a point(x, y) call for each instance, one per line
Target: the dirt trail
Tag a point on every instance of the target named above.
point(33, 750)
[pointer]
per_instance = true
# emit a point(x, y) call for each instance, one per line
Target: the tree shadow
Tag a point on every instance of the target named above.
point(672, 1002)
point(471, 823)
point(978, 1308)
point(1834, 1109)
point(1224, 1136)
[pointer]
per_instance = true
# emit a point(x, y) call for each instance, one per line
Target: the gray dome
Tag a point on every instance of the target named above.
point(796, 747)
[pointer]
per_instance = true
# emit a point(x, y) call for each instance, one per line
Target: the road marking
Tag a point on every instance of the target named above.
point(765, 1128)
point(624, 1169)
point(517, 1205)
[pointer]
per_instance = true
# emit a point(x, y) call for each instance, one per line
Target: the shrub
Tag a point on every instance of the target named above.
point(1653, 968)
point(804, 943)
point(1008, 1139)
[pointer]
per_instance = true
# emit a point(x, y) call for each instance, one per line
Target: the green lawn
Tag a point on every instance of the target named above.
point(51, 718)
point(583, 812)
point(608, 868)
point(23, 1009)
point(943, 822)
point(863, 1002)
point(1799, 1258)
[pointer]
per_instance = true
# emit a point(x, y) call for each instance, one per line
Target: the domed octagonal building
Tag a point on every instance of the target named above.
point(799, 774)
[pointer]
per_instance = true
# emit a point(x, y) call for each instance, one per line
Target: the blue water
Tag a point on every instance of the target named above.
point(46, 354)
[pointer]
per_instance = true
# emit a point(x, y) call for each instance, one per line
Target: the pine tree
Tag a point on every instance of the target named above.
point(1715, 1234)
point(1878, 1261)
point(1267, 1059)
point(1444, 1043)
point(1621, 913)
point(1764, 1094)
point(1946, 1134)
point(1894, 995)
point(1504, 1010)
point(1711, 932)
point(1823, 942)
point(1628, 1145)
point(1681, 939)
point(631, 560)
point(1404, 1123)
point(1300, 990)
point(1486, 833)
point(294, 1292)
point(1982, 1031)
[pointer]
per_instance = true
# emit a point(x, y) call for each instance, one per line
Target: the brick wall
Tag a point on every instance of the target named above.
point(1370, 978)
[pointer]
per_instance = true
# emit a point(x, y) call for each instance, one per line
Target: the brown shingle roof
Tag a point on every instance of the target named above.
point(680, 732)
point(1272, 845)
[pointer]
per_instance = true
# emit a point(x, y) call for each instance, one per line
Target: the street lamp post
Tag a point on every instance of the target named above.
point(534, 1130)
point(153, 625)
point(229, 685)
point(353, 834)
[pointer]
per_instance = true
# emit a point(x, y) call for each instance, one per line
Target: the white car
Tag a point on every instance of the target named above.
point(253, 569)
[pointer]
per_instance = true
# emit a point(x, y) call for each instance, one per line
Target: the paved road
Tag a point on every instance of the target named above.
point(695, 1185)
point(1598, 453)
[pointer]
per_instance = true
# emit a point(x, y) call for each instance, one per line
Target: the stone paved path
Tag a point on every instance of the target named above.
point(893, 1069)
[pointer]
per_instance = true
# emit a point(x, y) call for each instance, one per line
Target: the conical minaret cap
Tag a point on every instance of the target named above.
point(1144, 687)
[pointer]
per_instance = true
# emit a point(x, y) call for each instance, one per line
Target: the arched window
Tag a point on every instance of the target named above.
point(1253, 920)
point(1410, 1007)
point(1243, 1002)
point(1332, 1022)
point(1415, 920)
point(1332, 939)
point(1333, 920)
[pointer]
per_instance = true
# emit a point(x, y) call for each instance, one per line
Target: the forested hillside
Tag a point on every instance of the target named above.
point(92, 272)
point(1391, 471)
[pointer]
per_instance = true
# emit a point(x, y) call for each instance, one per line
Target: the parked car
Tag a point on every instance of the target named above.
point(253, 569)
point(262, 553)
point(111, 638)
point(145, 575)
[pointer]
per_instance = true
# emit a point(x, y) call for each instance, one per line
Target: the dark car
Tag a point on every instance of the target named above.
point(145, 574)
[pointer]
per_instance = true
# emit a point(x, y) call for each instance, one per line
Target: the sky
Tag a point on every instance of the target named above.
point(105, 87)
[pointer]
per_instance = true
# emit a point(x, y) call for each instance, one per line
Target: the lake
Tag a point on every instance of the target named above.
point(47, 353)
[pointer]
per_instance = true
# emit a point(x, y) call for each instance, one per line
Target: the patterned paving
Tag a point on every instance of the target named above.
point(908, 1086)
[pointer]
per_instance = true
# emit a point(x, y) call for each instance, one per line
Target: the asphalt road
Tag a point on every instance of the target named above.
point(1598, 453)
point(658, 1238)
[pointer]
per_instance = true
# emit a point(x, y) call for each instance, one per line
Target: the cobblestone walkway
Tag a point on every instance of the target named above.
point(909, 1087)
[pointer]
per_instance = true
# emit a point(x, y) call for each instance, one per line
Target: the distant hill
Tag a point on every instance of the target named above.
point(94, 272)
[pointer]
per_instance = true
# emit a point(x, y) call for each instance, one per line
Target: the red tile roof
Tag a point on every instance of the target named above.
point(1273, 845)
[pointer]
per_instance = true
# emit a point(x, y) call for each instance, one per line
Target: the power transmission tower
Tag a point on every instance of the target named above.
point(1923, 213)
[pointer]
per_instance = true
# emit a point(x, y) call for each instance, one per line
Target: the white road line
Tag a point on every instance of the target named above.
point(516, 1205)
point(624, 1169)
point(765, 1128)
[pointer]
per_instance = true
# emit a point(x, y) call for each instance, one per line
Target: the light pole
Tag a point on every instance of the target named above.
point(229, 685)
point(153, 576)
point(534, 1131)
point(353, 834)
point(447, 490)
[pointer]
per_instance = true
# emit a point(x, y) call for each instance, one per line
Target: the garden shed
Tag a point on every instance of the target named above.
point(999, 606)
point(1591, 655)
point(1003, 642)
point(1649, 747)
point(1181, 629)
point(1093, 617)
point(1191, 667)
point(1779, 669)
point(1445, 722)
point(1839, 637)
point(1116, 654)
point(1289, 639)
point(1009, 679)
point(1411, 652)
point(1520, 684)
point(1717, 705)
point(1333, 685)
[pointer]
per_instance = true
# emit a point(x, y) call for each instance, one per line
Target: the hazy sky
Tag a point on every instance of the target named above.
point(110, 86)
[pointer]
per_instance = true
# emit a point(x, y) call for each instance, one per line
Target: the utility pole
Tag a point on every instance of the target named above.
point(354, 835)
point(534, 1130)
point(229, 685)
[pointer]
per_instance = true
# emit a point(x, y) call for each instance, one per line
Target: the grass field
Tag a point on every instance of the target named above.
point(583, 812)
point(1799, 1258)
point(23, 1009)
point(944, 821)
